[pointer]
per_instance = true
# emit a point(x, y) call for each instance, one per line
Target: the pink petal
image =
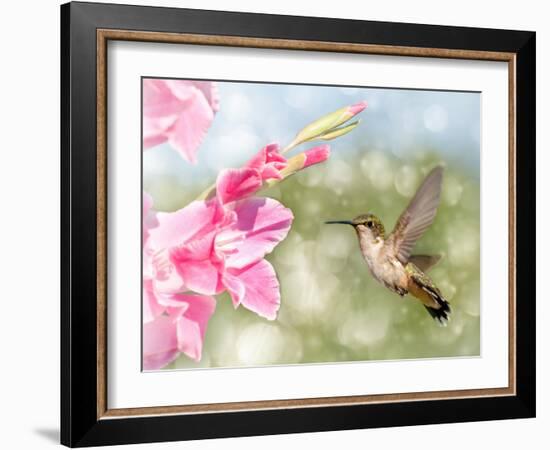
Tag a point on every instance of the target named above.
point(158, 267)
point(235, 288)
point(149, 217)
point(210, 92)
point(271, 172)
point(235, 184)
point(178, 111)
point(269, 162)
point(191, 326)
point(316, 155)
point(268, 152)
point(151, 306)
point(357, 108)
point(160, 344)
point(153, 139)
point(159, 101)
point(166, 278)
point(147, 203)
point(197, 265)
point(175, 304)
point(160, 111)
point(261, 224)
point(255, 287)
point(273, 154)
point(196, 249)
point(147, 262)
point(202, 277)
point(183, 90)
point(180, 226)
point(190, 127)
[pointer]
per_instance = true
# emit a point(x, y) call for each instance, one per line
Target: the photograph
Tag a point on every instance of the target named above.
point(289, 224)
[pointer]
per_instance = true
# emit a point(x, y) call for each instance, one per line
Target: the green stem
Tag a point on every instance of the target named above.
point(289, 147)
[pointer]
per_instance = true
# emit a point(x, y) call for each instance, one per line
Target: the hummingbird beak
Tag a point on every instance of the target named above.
point(345, 222)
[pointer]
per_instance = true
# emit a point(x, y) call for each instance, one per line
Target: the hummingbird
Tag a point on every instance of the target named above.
point(389, 258)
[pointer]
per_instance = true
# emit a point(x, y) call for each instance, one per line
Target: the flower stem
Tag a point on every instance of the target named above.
point(289, 147)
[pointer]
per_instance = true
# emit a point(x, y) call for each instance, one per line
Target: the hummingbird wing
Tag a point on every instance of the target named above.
point(424, 262)
point(418, 216)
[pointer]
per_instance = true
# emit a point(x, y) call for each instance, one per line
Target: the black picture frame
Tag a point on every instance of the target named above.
point(81, 424)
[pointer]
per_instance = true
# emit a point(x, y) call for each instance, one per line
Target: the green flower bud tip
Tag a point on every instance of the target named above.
point(337, 132)
point(327, 124)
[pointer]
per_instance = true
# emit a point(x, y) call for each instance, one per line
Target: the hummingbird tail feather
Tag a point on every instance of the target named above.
point(441, 314)
point(423, 288)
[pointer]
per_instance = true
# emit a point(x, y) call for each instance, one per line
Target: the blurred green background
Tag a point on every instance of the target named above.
point(331, 308)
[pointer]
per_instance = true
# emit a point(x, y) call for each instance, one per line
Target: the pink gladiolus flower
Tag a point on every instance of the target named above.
point(181, 330)
point(267, 164)
point(172, 323)
point(178, 112)
point(218, 244)
point(208, 248)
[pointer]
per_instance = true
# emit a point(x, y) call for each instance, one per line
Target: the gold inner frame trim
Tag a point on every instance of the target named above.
point(103, 36)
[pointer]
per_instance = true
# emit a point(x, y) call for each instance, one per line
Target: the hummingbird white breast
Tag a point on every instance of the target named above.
point(384, 266)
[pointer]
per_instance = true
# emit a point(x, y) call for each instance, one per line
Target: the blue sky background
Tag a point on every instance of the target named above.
point(397, 121)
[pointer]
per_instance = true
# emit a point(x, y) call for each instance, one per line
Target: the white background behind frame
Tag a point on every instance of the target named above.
point(30, 388)
point(128, 387)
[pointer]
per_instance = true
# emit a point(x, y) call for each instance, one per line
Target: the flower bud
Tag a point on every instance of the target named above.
point(305, 159)
point(337, 132)
point(328, 124)
point(316, 155)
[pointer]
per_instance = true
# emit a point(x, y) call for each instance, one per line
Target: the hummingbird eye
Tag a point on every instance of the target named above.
point(369, 223)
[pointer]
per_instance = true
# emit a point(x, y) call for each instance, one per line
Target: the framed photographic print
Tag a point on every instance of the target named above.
point(276, 224)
